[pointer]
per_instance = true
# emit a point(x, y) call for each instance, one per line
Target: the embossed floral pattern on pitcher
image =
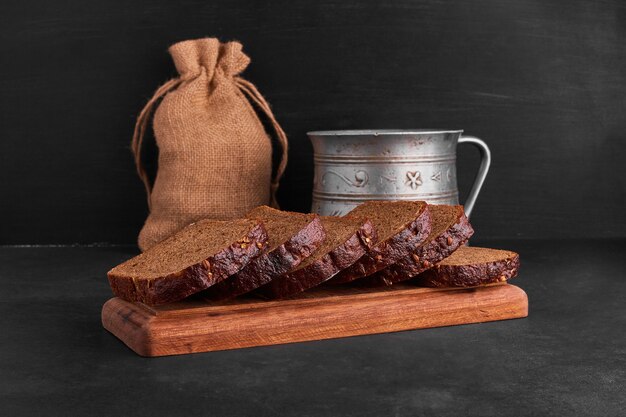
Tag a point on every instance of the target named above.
point(353, 166)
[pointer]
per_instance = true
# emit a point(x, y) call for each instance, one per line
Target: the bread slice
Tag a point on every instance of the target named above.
point(450, 229)
point(347, 239)
point(470, 267)
point(192, 260)
point(292, 238)
point(401, 226)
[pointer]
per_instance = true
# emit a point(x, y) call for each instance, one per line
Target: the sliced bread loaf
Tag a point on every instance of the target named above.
point(190, 261)
point(292, 238)
point(401, 226)
point(347, 239)
point(470, 267)
point(450, 229)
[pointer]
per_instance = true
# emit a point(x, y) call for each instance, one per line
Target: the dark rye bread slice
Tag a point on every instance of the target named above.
point(190, 261)
point(292, 238)
point(347, 239)
point(401, 226)
point(470, 267)
point(450, 229)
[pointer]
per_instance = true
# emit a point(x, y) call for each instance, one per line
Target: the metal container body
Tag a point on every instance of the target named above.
point(354, 166)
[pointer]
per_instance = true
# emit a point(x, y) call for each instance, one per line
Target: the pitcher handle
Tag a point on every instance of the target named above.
point(485, 162)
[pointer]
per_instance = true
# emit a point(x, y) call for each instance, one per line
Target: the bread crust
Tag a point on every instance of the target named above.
point(324, 268)
point(272, 264)
point(387, 252)
point(471, 275)
point(194, 278)
point(426, 255)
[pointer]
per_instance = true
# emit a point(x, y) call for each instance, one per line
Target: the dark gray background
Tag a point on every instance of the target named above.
point(543, 82)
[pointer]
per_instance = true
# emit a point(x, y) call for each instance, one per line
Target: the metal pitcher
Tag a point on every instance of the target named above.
point(353, 166)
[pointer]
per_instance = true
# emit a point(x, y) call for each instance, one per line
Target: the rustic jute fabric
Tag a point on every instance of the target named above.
point(215, 158)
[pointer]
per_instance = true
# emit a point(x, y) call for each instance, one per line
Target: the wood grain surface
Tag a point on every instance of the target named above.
point(199, 326)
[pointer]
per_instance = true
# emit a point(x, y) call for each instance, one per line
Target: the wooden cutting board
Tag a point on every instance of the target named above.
point(197, 325)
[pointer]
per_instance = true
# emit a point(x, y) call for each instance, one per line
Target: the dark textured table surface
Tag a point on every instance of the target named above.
point(567, 358)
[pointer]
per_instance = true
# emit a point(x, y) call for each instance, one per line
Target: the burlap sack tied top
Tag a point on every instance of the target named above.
point(215, 158)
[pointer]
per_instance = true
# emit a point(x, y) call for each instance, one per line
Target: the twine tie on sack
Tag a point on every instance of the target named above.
point(251, 91)
point(140, 131)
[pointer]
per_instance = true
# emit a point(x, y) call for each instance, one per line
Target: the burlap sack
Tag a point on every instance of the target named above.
point(215, 158)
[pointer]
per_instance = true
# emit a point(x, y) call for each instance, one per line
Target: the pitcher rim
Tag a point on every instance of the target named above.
point(380, 132)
